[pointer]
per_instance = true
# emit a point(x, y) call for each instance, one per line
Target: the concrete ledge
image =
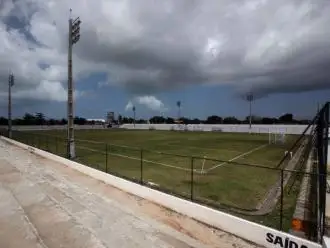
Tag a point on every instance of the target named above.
point(302, 210)
point(247, 230)
point(326, 242)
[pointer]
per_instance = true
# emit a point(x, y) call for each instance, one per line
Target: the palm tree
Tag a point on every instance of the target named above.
point(178, 104)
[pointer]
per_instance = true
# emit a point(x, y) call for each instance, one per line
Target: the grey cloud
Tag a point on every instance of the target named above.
point(263, 46)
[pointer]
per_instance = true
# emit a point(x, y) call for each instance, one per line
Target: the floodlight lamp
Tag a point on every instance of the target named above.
point(76, 23)
point(75, 31)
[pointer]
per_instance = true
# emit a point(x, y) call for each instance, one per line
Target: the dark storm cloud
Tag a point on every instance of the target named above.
point(260, 46)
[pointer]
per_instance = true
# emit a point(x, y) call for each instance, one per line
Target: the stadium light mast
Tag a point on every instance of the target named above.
point(133, 115)
point(10, 84)
point(74, 36)
point(178, 104)
point(249, 98)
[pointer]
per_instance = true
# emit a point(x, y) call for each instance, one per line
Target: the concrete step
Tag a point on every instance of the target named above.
point(15, 228)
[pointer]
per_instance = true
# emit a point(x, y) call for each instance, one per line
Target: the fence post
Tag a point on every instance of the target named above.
point(282, 195)
point(324, 166)
point(56, 145)
point(192, 179)
point(141, 166)
point(106, 158)
point(47, 144)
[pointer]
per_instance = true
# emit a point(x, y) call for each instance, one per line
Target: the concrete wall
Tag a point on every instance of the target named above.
point(242, 128)
point(253, 232)
point(52, 127)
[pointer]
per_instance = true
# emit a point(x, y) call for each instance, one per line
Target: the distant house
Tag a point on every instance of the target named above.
point(95, 121)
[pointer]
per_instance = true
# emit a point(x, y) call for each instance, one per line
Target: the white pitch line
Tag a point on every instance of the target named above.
point(237, 157)
point(200, 148)
point(144, 160)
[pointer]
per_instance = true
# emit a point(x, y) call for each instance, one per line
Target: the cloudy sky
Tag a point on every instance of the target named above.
point(147, 53)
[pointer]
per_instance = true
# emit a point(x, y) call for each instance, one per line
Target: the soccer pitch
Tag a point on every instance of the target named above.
point(219, 164)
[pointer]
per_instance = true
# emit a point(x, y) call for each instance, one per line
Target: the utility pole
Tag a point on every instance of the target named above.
point(74, 36)
point(10, 84)
point(249, 97)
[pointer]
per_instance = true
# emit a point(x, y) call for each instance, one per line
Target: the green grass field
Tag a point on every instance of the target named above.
point(221, 174)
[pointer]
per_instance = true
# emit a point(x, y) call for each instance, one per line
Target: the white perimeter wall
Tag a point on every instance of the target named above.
point(51, 127)
point(241, 128)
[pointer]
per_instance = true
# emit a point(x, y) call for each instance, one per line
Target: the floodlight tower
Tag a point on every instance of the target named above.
point(249, 98)
point(10, 84)
point(74, 36)
point(178, 104)
point(134, 115)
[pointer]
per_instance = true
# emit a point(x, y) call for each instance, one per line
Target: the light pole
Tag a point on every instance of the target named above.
point(249, 97)
point(134, 115)
point(10, 84)
point(178, 104)
point(74, 36)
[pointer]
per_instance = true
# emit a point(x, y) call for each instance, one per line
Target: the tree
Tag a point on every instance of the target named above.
point(120, 119)
point(255, 119)
point(141, 121)
point(286, 118)
point(267, 120)
point(157, 119)
point(196, 121)
point(125, 120)
point(79, 121)
point(214, 119)
point(169, 120)
point(3, 121)
point(63, 121)
point(51, 122)
point(29, 119)
point(40, 118)
point(305, 122)
point(231, 120)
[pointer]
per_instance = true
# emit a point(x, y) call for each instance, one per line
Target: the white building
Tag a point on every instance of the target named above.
point(96, 121)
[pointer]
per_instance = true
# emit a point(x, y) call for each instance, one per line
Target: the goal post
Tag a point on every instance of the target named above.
point(277, 136)
point(203, 164)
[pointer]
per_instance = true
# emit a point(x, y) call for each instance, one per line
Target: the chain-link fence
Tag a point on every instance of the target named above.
point(266, 195)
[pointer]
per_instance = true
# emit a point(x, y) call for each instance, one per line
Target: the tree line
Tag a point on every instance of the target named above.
point(40, 119)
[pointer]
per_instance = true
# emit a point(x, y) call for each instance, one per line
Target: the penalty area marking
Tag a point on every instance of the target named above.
point(237, 157)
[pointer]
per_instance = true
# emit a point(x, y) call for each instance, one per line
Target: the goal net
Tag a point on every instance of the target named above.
point(277, 136)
